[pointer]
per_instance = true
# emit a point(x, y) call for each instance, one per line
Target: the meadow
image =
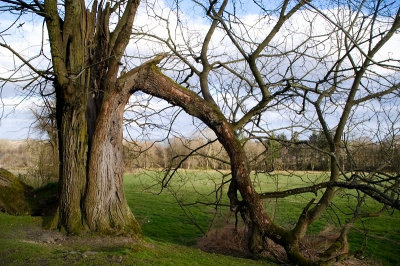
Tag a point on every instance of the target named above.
point(171, 216)
point(173, 219)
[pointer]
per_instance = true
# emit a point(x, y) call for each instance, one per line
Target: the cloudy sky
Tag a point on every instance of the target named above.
point(16, 117)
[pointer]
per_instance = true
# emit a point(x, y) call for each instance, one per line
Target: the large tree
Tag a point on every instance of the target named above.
point(86, 50)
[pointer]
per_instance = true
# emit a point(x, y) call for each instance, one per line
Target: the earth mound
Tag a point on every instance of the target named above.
point(14, 194)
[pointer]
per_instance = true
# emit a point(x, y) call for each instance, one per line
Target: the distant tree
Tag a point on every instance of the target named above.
point(318, 159)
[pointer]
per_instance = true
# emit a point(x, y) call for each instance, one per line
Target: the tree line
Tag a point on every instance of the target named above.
point(275, 154)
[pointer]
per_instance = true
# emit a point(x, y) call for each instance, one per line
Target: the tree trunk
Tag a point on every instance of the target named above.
point(105, 204)
point(91, 169)
point(260, 226)
point(73, 158)
point(86, 56)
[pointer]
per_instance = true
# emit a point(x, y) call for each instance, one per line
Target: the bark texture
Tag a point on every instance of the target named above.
point(105, 199)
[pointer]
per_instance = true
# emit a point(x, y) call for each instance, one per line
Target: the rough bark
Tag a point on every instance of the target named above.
point(73, 155)
point(105, 200)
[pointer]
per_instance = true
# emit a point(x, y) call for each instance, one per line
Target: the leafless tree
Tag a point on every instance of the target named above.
point(87, 42)
point(321, 67)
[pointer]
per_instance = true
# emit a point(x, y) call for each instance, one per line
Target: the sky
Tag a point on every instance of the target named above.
point(16, 115)
point(18, 120)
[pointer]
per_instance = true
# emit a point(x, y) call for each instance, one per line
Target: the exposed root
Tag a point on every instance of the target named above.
point(228, 241)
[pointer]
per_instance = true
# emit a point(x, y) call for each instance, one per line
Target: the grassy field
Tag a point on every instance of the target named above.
point(161, 217)
point(171, 229)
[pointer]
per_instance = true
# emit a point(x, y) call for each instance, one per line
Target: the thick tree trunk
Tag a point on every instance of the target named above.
point(73, 157)
point(86, 56)
point(105, 204)
point(91, 187)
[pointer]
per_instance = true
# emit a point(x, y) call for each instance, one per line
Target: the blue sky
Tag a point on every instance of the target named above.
point(16, 120)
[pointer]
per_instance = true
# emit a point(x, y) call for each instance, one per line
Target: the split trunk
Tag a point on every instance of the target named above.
point(89, 112)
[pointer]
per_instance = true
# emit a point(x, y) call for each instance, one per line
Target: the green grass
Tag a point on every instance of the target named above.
point(160, 215)
point(20, 245)
point(163, 220)
point(170, 233)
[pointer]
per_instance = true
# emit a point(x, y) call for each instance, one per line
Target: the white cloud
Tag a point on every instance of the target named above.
point(27, 40)
point(17, 118)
